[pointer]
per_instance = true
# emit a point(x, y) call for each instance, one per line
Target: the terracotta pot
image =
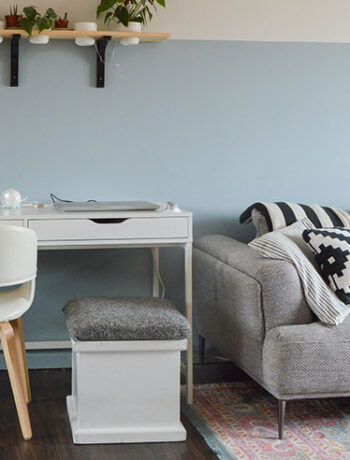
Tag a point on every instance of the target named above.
point(13, 20)
point(61, 24)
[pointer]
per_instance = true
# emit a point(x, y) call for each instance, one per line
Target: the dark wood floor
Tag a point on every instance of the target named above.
point(51, 432)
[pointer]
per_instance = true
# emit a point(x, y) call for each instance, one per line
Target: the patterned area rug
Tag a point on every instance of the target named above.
point(239, 421)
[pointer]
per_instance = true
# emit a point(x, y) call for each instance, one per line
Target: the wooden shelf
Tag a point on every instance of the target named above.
point(102, 37)
point(62, 34)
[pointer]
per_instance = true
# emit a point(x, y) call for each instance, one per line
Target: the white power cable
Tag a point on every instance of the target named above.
point(156, 268)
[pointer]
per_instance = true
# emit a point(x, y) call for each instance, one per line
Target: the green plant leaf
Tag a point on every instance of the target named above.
point(161, 2)
point(41, 24)
point(27, 25)
point(104, 6)
point(122, 14)
point(51, 14)
point(30, 12)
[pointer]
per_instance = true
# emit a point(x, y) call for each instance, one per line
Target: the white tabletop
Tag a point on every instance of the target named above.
point(50, 212)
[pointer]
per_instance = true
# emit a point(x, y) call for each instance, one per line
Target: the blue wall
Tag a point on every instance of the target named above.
point(212, 125)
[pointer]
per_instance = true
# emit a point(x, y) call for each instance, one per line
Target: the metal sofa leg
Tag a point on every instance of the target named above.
point(281, 414)
point(201, 349)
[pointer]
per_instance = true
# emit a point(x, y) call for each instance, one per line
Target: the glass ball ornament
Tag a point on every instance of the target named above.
point(11, 198)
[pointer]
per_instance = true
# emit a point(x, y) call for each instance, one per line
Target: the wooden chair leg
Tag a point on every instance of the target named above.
point(11, 357)
point(22, 357)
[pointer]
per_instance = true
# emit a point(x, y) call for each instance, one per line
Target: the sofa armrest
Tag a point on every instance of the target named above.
point(307, 360)
point(263, 293)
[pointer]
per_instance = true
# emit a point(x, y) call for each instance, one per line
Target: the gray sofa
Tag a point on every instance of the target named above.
point(254, 312)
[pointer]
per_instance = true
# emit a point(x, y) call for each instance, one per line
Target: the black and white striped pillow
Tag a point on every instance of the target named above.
point(279, 215)
point(332, 254)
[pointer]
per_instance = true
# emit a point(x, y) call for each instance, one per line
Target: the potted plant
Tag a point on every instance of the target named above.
point(62, 23)
point(86, 26)
point(32, 19)
point(132, 14)
point(13, 19)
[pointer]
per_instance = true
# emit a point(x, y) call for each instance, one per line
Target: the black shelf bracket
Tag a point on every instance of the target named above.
point(14, 59)
point(101, 46)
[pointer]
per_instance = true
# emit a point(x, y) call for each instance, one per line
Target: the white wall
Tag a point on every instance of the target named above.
point(261, 20)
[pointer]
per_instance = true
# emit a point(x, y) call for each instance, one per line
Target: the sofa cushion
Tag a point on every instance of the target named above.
point(124, 318)
point(332, 250)
point(260, 223)
point(281, 214)
point(288, 244)
point(311, 360)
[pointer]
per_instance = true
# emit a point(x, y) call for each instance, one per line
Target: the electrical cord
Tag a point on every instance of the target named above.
point(55, 199)
point(158, 274)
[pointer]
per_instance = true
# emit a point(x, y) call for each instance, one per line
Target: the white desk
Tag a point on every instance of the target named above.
point(58, 230)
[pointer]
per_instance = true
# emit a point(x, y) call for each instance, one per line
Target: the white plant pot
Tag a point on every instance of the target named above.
point(2, 26)
point(40, 39)
point(132, 27)
point(89, 26)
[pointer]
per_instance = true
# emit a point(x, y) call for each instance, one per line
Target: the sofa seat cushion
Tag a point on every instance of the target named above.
point(310, 360)
point(124, 318)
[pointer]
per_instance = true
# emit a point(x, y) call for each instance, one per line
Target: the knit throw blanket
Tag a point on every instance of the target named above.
point(279, 215)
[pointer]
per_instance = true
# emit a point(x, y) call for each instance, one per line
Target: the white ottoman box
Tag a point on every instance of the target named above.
point(125, 370)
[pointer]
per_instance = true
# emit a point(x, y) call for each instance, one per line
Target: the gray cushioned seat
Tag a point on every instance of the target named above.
point(124, 318)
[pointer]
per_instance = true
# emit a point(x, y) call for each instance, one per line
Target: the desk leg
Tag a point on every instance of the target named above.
point(155, 256)
point(188, 301)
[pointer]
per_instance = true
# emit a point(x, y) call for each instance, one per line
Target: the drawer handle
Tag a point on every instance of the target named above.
point(108, 221)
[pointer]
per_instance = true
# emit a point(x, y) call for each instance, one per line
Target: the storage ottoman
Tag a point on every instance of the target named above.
point(125, 369)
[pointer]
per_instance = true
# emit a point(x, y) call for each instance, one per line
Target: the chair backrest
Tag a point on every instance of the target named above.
point(18, 255)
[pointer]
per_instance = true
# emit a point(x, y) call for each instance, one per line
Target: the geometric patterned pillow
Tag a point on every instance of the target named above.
point(332, 249)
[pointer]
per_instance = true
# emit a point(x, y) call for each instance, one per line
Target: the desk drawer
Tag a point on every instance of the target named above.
point(110, 229)
point(16, 223)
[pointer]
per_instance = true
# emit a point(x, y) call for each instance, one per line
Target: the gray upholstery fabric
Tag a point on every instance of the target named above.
point(124, 318)
point(280, 291)
point(240, 295)
point(253, 310)
point(234, 328)
point(260, 223)
point(304, 361)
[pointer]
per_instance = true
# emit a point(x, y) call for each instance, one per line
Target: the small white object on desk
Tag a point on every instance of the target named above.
point(11, 198)
point(173, 207)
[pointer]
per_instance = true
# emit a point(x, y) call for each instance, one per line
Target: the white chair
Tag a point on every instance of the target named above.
point(18, 261)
